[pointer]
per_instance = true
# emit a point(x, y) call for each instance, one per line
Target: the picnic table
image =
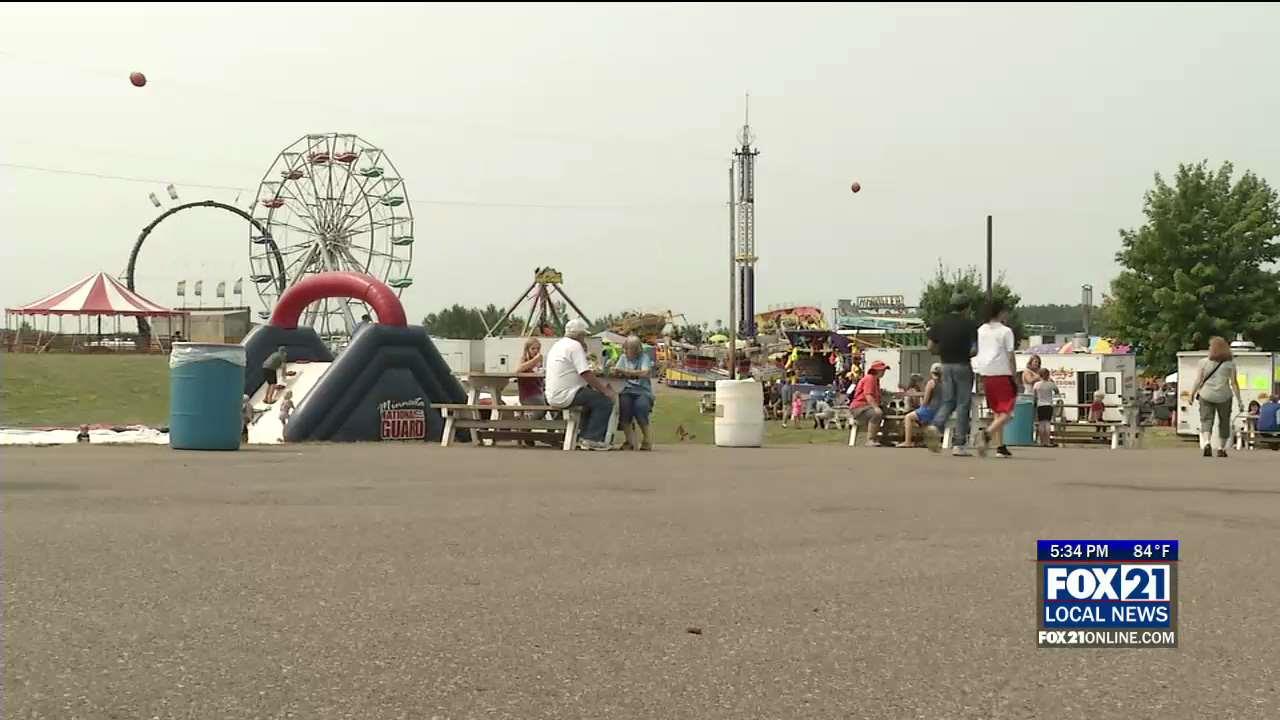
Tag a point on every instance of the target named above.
point(495, 383)
point(1116, 433)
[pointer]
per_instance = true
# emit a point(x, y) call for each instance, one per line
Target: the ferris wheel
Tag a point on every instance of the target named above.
point(331, 201)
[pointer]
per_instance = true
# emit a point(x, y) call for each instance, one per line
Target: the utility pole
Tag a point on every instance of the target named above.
point(988, 259)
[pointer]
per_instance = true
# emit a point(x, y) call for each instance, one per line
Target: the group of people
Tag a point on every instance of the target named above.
point(274, 367)
point(965, 348)
point(568, 380)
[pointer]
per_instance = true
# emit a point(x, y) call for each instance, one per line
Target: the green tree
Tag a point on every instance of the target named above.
point(604, 322)
point(691, 334)
point(458, 322)
point(935, 299)
point(1199, 266)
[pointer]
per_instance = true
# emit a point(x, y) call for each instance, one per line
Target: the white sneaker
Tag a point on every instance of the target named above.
point(593, 445)
point(960, 451)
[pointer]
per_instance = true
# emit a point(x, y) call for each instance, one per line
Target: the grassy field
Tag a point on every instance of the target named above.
point(66, 390)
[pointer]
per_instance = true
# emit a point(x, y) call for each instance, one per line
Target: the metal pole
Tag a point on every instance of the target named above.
point(733, 326)
point(1086, 300)
point(988, 258)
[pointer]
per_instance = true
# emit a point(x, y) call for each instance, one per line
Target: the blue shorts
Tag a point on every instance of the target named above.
point(924, 415)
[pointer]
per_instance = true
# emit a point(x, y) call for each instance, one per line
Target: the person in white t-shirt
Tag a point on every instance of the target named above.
point(994, 364)
point(570, 383)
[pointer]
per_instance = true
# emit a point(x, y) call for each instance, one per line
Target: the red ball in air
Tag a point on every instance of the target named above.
point(138, 79)
point(856, 186)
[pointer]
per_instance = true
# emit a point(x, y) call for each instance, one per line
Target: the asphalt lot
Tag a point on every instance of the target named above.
point(376, 581)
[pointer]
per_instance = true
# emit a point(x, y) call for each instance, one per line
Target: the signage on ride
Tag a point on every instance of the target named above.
point(881, 302)
point(403, 419)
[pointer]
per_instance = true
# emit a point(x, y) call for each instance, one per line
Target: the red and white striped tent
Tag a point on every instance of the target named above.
point(98, 294)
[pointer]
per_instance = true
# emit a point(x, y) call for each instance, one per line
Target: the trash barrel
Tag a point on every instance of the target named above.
point(1021, 427)
point(206, 389)
point(739, 413)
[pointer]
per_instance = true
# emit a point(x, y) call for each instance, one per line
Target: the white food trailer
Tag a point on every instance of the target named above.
point(903, 363)
point(1257, 372)
point(463, 356)
point(1079, 375)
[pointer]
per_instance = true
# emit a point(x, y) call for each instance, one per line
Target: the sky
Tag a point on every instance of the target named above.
point(596, 139)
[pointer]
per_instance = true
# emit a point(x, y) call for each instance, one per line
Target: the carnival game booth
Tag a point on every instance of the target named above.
point(383, 386)
point(89, 300)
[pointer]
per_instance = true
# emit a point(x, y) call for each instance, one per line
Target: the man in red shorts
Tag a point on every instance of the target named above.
point(994, 364)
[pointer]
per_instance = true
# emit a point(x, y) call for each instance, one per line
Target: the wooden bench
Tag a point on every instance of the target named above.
point(891, 429)
point(487, 423)
point(1087, 433)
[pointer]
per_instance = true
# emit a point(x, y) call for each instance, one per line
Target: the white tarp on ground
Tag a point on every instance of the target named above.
point(129, 436)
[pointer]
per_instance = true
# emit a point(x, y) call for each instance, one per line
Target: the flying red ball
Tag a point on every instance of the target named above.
point(138, 79)
point(856, 186)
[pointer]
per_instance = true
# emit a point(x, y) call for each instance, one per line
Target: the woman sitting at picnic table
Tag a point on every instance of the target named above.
point(929, 402)
point(532, 389)
point(635, 402)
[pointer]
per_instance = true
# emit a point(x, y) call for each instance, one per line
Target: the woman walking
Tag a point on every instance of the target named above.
point(1215, 387)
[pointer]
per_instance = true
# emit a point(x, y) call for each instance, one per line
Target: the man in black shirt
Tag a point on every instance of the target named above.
point(954, 338)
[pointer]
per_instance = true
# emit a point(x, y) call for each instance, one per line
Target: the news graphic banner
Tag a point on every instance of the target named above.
point(1107, 593)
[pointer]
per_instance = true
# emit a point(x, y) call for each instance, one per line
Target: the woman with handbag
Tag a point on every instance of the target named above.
point(1215, 387)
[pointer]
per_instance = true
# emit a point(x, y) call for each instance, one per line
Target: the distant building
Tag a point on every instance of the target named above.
point(211, 325)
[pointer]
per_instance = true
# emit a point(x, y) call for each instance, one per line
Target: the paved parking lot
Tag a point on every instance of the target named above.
point(375, 581)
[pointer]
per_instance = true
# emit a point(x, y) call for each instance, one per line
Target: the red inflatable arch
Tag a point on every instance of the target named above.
point(386, 306)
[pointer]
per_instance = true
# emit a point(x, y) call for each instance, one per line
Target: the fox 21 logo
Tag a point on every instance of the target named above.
point(1134, 583)
point(1113, 593)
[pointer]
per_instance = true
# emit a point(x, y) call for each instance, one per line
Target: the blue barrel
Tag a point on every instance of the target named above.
point(1021, 427)
point(206, 389)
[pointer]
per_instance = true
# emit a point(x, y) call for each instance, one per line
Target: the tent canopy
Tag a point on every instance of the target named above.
point(96, 294)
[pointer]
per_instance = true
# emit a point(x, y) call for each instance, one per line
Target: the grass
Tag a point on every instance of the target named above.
point(69, 389)
point(66, 390)
point(679, 408)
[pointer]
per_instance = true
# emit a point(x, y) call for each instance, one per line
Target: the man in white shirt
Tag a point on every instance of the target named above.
point(570, 383)
point(994, 364)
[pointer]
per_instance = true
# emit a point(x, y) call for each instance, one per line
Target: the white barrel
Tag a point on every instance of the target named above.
point(739, 413)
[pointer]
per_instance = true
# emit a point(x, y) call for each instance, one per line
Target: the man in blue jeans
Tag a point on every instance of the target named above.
point(954, 338)
point(570, 383)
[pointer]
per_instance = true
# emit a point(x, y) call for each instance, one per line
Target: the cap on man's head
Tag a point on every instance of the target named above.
point(576, 327)
point(959, 301)
point(878, 365)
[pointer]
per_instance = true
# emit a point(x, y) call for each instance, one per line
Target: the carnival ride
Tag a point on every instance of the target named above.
point(330, 202)
point(798, 317)
point(544, 317)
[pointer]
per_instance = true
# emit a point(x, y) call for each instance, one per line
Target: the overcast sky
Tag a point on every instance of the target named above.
point(1051, 118)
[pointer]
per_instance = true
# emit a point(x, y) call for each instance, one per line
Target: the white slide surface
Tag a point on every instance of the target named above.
point(266, 428)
